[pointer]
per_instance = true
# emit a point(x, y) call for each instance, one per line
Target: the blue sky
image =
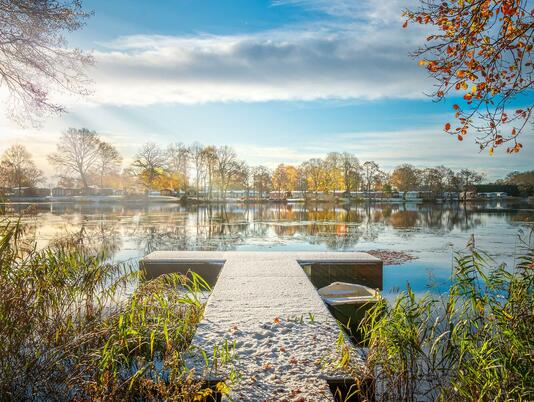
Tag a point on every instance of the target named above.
point(279, 80)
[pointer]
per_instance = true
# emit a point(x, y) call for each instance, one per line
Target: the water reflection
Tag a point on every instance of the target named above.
point(222, 227)
point(428, 231)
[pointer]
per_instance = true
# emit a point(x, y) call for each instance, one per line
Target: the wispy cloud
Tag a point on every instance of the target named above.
point(373, 11)
point(363, 56)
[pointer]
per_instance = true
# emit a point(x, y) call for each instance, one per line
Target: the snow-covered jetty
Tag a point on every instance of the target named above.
point(267, 322)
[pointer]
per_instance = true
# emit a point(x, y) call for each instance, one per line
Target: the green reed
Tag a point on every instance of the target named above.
point(74, 327)
point(474, 343)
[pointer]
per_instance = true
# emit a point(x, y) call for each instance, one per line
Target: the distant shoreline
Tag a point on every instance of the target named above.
point(176, 200)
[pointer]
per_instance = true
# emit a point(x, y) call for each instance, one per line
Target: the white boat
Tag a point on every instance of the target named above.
point(349, 301)
point(295, 200)
point(338, 293)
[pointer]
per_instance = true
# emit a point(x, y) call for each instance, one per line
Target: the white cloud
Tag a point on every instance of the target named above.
point(362, 57)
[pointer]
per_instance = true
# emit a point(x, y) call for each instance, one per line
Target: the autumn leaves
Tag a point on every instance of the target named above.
point(482, 49)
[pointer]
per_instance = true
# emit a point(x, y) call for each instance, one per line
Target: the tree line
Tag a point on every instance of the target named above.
point(82, 158)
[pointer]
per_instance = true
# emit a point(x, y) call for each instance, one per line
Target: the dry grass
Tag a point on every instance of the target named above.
point(73, 327)
point(474, 343)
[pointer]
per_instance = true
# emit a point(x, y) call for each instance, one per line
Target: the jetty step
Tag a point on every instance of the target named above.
point(267, 314)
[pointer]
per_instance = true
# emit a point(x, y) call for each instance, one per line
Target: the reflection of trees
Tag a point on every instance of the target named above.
point(101, 235)
point(438, 218)
point(404, 219)
point(213, 227)
point(338, 228)
point(224, 227)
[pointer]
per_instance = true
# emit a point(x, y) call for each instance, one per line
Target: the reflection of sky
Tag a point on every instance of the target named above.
point(430, 233)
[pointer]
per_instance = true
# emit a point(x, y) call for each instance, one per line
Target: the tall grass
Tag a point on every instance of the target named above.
point(476, 343)
point(73, 327)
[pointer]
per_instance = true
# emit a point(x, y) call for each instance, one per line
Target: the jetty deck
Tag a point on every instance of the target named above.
point(286, 341)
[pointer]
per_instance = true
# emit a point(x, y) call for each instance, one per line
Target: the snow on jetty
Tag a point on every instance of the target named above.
point(286, 341)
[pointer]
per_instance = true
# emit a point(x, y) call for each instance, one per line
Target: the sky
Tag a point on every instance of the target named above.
point(278, 80)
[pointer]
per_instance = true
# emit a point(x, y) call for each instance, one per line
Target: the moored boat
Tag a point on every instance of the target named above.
point(349, 302)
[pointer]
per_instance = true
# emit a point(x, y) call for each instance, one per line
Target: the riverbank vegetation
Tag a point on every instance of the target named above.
point(473, 343)
point(73, 326)
point(83, 159)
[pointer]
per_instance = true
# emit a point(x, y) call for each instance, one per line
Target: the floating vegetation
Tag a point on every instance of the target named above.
point(392, 257)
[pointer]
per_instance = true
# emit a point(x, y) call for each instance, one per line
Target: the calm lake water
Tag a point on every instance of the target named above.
point(431, 233)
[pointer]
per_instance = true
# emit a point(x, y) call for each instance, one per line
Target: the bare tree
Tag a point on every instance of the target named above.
point(196, 155)
point(435, 178)
point(77, 152)
point(261, 177)
point(227, 167)
point(468, 178)
point(178, 160)
point(17, 168)
point(34, 57)
point(242, 178)
point(350, 170)
point(302, 180)
point(370, 171)
point(149, 164)
point(208, 160)
point(108, 161)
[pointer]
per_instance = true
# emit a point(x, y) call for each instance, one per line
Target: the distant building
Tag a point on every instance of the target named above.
point(419, 196)
point(493, 195)
point(40, 192)
point(319, 196)
point(236, 194)
point(65, 192)
point(412, 196)
point(451, 196)
point(91, 190)
point(278, 196)
point(106, 191)
point(166, 192)
point(468, 195)
point(29, 192)
point(299, 194)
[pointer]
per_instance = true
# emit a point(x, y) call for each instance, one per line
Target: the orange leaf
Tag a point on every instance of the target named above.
point(460, 138)
point(447, 126)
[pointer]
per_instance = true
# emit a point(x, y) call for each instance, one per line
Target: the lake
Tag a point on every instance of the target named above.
point(429, 233)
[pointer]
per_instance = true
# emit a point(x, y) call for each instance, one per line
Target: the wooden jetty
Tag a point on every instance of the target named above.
point(284, 342)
